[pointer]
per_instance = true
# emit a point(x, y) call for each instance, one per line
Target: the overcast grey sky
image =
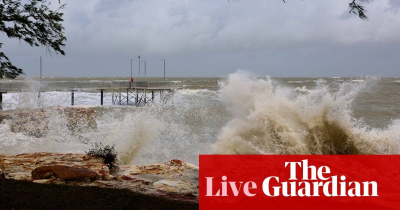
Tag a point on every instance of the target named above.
point(217, 37)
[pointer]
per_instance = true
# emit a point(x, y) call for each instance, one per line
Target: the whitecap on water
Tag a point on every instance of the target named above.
point(302, 89)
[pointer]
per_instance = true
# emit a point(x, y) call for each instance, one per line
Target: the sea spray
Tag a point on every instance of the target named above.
point(38, 130)
point(161, 132)
point(30, 98)
point(182, 128)
point(247, 116)
point(271, 119)
point(133, 133)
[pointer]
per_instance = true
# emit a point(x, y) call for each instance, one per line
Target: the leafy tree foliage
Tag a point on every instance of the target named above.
point(358, 9)
point(34, 23)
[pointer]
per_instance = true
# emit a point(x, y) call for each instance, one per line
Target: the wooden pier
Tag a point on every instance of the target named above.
point(123, 92)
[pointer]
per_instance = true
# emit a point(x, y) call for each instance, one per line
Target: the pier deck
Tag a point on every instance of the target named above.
point(123, 92)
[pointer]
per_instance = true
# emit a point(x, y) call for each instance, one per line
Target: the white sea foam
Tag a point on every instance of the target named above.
point(302, 89)
point(269, 120)
point(193, 91)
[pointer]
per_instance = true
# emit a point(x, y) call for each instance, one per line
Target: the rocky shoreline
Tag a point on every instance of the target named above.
point(174, 179)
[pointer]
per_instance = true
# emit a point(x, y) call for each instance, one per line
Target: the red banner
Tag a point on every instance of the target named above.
point(299, 182)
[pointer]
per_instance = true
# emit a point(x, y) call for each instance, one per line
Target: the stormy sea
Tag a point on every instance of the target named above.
point(238, 114)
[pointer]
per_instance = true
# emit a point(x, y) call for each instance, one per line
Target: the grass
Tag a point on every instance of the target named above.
point(28, 195)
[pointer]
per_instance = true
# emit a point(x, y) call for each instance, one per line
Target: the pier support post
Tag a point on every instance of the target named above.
point(72, 97)
point(127, 96)
point(145, 96)
point(113, 102)
point(152, 95)
point(137, 97)
point(1, 100)
point(101, 97)
point(120, 93)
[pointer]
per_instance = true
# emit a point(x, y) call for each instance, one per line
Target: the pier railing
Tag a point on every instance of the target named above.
point(22, 86)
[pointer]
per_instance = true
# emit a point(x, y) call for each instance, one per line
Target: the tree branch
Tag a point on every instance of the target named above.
point(33, 23)
point(356, 8)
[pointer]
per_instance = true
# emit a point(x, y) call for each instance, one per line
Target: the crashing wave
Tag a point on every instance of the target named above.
point(269, 120)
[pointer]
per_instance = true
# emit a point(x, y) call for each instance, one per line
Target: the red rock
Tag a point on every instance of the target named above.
point(176, 162)
point(124, 177)
point(102, 173)
point(87, 157)
point(130, 178)
point(63, 172)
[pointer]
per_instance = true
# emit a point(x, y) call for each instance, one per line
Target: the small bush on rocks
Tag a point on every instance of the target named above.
point(107, 152)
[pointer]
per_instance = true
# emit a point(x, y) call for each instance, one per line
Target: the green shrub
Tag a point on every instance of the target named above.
point(107, 152)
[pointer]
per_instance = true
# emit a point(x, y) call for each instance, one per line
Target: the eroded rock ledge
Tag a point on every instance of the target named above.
point(173, 179)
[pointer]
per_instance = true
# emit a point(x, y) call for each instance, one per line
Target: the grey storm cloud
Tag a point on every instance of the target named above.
point(187, 26)
point(215, 37)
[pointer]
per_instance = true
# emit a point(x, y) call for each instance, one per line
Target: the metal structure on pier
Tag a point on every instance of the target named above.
point(142, 92)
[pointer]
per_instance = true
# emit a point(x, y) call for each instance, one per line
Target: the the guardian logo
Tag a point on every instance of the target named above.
point(314, 182)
